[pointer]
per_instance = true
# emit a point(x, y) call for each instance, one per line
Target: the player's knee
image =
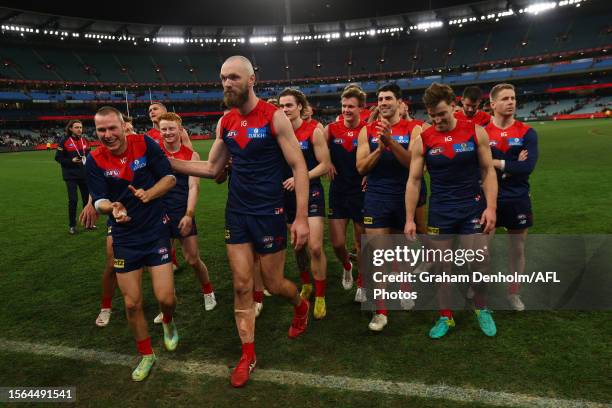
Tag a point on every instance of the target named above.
point(132, 306)
point(242, 287)
point(191, 258)
point(167, 300)
point(316, 250)
point(273, 286)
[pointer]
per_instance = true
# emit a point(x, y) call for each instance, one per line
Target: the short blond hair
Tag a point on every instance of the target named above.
point(498, 88)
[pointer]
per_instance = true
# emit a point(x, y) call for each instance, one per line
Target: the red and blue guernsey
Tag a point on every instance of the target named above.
point(175, 200)
point(507, 144)
point(156, 135)
point(141, 165)
point(343, 153)
point(452, 162)
point(255, 187)
point(481, 118)
point(305, 137)
point(387, 179)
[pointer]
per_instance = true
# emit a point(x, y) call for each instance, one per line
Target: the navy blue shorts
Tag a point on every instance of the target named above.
point(131, 257)
point(455, 220)
point(380, 213)
point(345, 206)
point(515, 214)
point(316, 203)
point(267, 233)
point(175, 219)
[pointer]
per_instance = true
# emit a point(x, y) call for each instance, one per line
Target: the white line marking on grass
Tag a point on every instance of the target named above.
point(293, 378)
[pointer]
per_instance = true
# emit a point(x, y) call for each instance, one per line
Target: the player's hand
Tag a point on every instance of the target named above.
point(289, 184)
point(88, 216)
point(220, 179)
point(331, 173)
point(383, 129)
point(488, 219)
point(185, 225)
point(142, 195)
point(523, 155)
point(410, 230)
point(120, 213)
point(299, 233)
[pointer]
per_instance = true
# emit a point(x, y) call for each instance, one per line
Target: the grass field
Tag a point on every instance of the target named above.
point(50, 288)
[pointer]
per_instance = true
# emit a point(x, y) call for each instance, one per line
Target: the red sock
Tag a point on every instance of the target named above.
point(144, 346)
point(258, 296)
point(173, 256)
point(249, 350)
point(347, 265)
point(305, 277)
point(107, 302)
point(302, 308)
point(320, 287)
point(207, 288)
point(167, 319)
point(381, 307)
point(359, 280)
point(446, 313)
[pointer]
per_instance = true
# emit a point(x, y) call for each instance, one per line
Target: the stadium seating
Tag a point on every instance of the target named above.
point(531, 37)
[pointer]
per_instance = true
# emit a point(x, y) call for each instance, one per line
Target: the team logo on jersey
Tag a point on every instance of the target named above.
point(436, 151)
point(119, 263)
point(401, 139)
point(304, 145)
point(111, 173)
point(139, 163)
point(368, 220)
point(515, 141)
point(257, 133)
point(464, 147)
point(243, 123)
point(231, 134)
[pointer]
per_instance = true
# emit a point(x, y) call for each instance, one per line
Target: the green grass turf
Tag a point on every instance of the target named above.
point(50, 288)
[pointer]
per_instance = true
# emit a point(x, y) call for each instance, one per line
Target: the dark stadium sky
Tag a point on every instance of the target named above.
point(228, 12)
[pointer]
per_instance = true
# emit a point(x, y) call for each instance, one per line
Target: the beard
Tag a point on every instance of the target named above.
point(233, 99)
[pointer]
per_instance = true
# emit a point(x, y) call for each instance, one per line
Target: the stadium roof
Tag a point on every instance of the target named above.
point(241, 17)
